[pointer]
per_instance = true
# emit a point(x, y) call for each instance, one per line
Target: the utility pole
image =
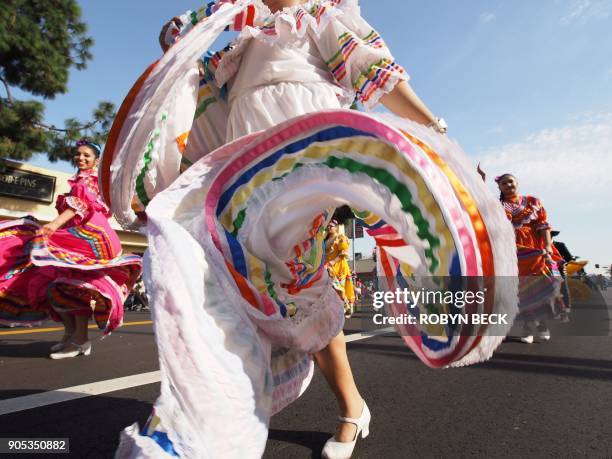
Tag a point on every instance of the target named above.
point(353, 244)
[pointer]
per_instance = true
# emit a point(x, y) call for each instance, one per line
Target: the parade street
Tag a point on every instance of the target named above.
point(545, 399)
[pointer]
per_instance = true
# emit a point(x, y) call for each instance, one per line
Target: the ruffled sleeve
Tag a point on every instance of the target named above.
point(84, 198)
point(343, 246)
point(77, 204)
point(190, 18)
point(541, 221)
point(339, 249)
point(355, 53)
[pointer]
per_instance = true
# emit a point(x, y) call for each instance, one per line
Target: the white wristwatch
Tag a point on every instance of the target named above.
point(439, 125)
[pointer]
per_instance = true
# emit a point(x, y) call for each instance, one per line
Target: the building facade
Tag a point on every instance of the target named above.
point(30, 190)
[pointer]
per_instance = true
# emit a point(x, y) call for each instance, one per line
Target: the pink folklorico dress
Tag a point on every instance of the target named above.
point(79, 269)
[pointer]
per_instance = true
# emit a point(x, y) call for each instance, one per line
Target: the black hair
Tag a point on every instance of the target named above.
point(88, 143)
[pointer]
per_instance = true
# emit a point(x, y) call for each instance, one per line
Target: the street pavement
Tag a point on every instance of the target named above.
point(549, 399)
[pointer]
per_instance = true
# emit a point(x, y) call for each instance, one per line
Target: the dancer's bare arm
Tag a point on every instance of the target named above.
point(547, 240)
point(404, 102)
point(60, 221)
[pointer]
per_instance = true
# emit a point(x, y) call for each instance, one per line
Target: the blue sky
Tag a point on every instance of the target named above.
point(525, 86)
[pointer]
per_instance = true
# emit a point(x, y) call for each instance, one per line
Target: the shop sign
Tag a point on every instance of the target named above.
point(19, 183)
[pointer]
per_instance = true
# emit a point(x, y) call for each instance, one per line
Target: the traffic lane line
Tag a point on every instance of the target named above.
point(29, 402)
point(54, 329)
point(25, 366)
point(368, 334)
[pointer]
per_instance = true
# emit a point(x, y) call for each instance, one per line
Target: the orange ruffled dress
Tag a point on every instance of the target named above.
point(529, 219)
point(540, 280)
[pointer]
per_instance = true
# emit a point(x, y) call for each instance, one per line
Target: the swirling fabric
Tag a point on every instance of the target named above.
point(241, 232)
point(237, 327)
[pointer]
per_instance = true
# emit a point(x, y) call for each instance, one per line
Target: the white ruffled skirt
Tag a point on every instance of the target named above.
point(235, 268)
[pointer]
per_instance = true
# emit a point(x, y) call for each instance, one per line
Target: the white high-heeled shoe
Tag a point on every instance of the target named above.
point(67, 352)
point(335, 449)
point(61, 344)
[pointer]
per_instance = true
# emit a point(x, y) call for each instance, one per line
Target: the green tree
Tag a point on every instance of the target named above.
point(40, 41)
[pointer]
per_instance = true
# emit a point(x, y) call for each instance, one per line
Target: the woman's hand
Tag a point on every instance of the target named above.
point(56, 224)
point(174, 22)
point(48, 229)
point(482, 173)
point(549, 254)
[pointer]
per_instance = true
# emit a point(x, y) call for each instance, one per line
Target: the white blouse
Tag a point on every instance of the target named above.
point(276, 83)
point(313, 56)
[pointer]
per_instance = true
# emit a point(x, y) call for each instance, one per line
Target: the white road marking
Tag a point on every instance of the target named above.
point(368, 334)
point(29, 402)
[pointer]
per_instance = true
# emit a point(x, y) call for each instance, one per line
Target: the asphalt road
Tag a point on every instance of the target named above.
point(539, 400)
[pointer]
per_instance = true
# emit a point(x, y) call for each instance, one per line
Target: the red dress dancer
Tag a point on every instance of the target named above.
point(69, 270)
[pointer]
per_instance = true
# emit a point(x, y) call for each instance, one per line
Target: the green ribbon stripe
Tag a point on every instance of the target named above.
point(140, 187)
point(383, 177)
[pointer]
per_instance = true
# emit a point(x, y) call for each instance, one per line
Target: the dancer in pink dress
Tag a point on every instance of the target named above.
point(71, 268)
